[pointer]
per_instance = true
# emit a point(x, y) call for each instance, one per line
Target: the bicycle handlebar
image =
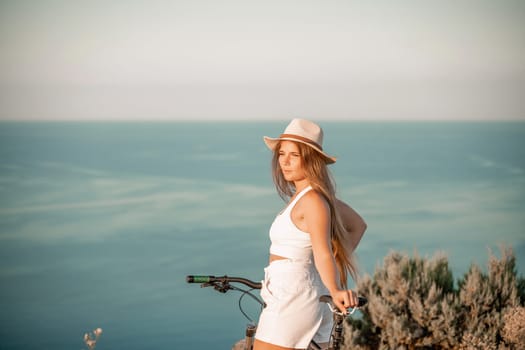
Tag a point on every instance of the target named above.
point(361, 301)
point(222, 279)
point(252, 284)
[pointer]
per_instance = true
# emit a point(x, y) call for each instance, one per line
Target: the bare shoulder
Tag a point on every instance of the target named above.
point(313, 201)
point(314, 198)
point(315, 211)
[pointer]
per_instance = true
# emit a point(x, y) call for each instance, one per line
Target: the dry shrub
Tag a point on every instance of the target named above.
point(514, 327)
point(414, 304)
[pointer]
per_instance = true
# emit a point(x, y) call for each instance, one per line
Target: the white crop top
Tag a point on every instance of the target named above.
point(287, 240)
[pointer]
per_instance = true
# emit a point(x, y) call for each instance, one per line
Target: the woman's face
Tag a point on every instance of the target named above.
point(291, 161)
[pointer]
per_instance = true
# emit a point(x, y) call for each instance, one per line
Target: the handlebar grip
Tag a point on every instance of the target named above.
point(199, 279)
point(361, 301)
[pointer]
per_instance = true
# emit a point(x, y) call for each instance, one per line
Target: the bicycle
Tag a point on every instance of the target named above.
point(223, 284)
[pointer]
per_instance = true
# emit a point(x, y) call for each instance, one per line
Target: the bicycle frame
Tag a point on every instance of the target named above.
point(223, 283)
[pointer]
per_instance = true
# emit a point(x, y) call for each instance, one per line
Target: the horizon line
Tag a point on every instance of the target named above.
point(256, 120)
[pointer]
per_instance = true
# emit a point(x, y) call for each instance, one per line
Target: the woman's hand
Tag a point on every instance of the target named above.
point(344, 299)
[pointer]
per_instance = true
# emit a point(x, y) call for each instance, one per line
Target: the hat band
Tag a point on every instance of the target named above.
point(304, 139)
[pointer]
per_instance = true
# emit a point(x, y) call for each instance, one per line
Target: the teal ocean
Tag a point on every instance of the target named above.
point(101, 222)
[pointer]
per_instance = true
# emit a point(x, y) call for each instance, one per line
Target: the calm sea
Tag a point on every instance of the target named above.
point(101, 222)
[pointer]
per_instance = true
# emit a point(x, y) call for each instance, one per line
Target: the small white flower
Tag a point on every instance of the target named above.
point(98, 331)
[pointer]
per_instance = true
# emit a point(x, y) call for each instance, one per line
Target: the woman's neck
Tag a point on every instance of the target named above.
point(301, 185)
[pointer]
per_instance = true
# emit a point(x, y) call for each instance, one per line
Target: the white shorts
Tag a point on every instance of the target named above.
point(293, 315)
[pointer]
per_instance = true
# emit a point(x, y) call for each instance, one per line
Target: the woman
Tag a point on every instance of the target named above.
point(312, 241)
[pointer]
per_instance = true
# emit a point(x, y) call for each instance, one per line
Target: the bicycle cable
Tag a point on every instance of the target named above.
point(243, 293)
point(335, 311)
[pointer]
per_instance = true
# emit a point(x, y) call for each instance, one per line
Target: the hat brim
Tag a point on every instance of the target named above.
point(272, 142)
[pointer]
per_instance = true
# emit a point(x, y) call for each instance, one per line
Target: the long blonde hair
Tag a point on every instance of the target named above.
point(321, 180)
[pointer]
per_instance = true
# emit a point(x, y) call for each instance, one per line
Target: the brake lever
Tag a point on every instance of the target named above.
point(222, 287)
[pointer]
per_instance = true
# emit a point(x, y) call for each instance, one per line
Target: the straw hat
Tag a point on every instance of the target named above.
point(303, 131)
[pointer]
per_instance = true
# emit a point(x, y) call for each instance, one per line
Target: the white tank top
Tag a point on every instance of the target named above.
point(287, 240)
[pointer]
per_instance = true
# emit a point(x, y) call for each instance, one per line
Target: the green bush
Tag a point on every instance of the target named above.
point(413, 303)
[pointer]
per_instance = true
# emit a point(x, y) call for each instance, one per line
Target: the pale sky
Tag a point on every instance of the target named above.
point(262, 60)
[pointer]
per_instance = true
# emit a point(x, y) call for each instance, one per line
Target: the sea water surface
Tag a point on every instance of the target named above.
point(101, 222)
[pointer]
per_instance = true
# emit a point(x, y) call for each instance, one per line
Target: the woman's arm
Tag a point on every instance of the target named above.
point(353, 223)
point(317, 219)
